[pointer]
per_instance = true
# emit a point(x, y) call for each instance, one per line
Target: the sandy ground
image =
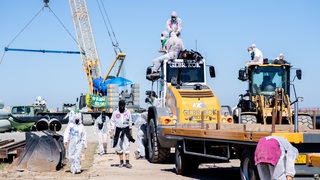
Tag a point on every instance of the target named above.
point(95, 166)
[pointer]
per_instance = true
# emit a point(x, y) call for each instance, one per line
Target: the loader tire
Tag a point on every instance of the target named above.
point(248, 170)
point(157, 154)
point(305, 120)
point(248, 119)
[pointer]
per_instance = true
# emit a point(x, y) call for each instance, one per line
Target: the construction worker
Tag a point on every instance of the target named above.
point(173, 46)
point(275, 158)
point(102, 130)
point(75, 139)
point(255, 54)
point(122, 122)
point(70, 115)
point(141, 125)
point(280, 60)
point(174, 24)
point(163, 39)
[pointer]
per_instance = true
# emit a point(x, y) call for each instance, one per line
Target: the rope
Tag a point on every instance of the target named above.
point(113, 38)
point(21, 32)
point(64, 27)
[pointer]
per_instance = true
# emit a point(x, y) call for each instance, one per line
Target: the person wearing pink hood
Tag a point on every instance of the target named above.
point(275, 158)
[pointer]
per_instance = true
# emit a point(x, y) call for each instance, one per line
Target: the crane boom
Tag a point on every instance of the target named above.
point(86, 43)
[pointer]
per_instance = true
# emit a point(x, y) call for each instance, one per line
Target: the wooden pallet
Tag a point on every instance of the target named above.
point(9, 147)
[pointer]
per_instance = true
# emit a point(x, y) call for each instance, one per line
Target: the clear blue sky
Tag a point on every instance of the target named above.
point(222, 29)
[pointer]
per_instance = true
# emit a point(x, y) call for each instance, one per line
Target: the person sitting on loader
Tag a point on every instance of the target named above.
point(173, 46)
point(280, 60)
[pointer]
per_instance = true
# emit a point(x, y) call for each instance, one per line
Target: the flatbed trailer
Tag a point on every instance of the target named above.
point(200, 143)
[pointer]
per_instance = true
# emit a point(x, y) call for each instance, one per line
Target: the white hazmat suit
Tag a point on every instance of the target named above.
point(102, 129)
point(140, 124)
point(75, 139)
point(173, 46)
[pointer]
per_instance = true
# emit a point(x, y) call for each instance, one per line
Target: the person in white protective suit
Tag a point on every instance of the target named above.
point(174, 24)
point(70, 115)
point(163, 39)
point(275, 158)
point(141, 125)
point(122, 122)
point(102, 130)
point(256, 55)
point(173, 46)
point(75, 139)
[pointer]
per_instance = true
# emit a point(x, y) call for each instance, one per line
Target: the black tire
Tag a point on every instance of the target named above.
point(156, 153)
point(305, 120)
point(184, 164)
point(248, 170)
point(248, 119)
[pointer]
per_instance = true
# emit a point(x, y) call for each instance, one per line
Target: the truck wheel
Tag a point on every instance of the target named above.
point(183, 163)
point(248, 170)
point(248, 119)
point(156, 153)
point(305, 120)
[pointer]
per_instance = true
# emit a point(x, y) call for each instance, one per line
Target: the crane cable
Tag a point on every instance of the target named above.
point(22, 31)
point(34, 17)
point(113, 38)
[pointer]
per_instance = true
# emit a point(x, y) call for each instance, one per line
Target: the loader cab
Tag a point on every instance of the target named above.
point(264, 79)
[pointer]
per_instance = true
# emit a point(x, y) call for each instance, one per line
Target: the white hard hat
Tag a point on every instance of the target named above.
point(281, 54)
point(174, 14)
point(253, 45)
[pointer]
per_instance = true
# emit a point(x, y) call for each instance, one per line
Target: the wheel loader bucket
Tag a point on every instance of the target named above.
point(41, 153)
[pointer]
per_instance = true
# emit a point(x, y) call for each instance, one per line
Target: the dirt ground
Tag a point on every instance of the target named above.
point(97, 167)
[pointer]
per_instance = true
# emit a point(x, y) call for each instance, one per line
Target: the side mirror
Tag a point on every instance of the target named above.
point(242, 75)
point(77, 99)
point(212, 72)
point(299, 73)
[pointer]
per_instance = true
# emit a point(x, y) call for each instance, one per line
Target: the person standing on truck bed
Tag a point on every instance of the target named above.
point(275, 158)
point(122, 121)
point(174, 24)
point(173, 46)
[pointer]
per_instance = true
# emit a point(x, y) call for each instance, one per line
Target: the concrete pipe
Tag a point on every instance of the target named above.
point(55, 125)
point(42, 125)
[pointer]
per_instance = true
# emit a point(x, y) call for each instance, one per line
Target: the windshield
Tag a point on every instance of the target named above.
point(21, 110)
point(191, 71)
point(264, 80)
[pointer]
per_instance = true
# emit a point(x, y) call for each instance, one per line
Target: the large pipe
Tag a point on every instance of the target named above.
point(42, 125)
point(55, 125)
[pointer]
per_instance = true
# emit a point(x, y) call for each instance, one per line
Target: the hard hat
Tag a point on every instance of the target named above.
point(281, 54)
point(174, 14)
point(253, 45)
